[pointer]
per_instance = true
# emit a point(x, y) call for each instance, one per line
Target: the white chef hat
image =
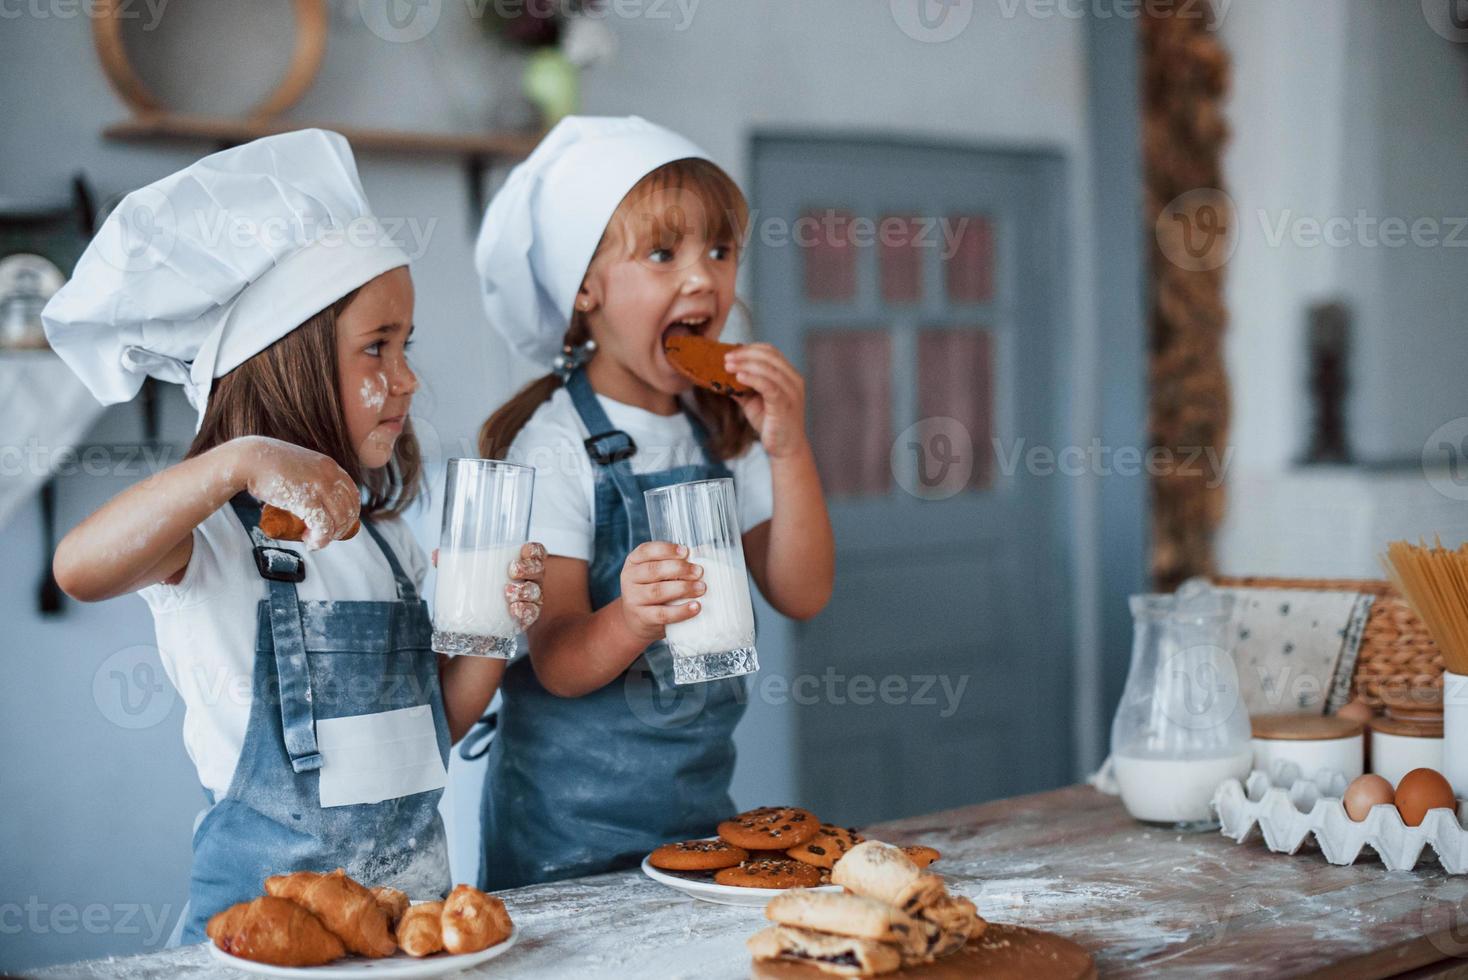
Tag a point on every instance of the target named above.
point(192, 275)
point(541, 229)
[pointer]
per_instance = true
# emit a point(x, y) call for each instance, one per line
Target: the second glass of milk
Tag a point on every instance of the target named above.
point(704, 517)
point(486, 521)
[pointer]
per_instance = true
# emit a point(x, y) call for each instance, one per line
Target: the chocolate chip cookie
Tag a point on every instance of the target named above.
point(770, 828)
point(770, 873)
point(697, 855)
point(826, 847)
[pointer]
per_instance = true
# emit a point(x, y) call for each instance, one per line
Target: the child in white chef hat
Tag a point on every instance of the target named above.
point(614, 235)
point(318, 717)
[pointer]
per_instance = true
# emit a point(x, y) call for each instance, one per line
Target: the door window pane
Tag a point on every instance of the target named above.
point(969, 270)
point(901, 259)
point(956, 380)
point(850, 409)
point(823, 236)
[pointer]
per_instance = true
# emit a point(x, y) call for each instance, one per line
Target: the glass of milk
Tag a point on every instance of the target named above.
point(486, 521)
point(1182, 727)
point(704, 517)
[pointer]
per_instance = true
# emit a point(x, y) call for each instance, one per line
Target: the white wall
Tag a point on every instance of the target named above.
point(106, 811)
point(1340, 110)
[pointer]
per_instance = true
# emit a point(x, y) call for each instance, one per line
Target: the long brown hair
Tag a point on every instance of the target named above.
point(728, 215)
point(290, 391)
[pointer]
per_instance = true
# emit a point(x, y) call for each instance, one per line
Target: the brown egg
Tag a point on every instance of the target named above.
point(1422, 790)
point(1356, 711)
point(1364, 793)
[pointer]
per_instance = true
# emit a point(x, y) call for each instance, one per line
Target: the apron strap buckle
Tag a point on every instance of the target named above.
point(306, 763)
point(607, 448)
point(279, 564)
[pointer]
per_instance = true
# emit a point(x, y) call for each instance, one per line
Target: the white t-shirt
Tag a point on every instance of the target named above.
point(206, 623)
point(562, 513)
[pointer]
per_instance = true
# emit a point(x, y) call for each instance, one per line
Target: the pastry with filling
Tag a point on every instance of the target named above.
point(841, 955)
point(884, 872)
point(855, 916)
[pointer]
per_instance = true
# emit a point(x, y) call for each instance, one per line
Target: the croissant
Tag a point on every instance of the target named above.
point(392, 902)
point(343, 906)
point(282, 525)
point(473, 920)
point(275, 931)
point(420, 933)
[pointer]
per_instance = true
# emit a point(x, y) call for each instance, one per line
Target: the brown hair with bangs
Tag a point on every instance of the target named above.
point(291, 391)
point(727, 213)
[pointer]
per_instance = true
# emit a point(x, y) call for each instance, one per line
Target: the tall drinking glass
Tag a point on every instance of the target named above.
point(486, 521)
point(703, 517)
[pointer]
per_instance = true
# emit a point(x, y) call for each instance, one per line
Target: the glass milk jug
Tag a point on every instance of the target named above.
point(1181, 728)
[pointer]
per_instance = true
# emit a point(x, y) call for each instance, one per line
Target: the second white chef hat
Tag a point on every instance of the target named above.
point(542, 228)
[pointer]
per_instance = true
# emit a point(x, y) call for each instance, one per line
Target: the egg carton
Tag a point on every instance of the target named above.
point(1289, 808)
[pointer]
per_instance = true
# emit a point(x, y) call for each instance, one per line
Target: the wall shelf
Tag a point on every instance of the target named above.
point(168, 126)
point(477, 151)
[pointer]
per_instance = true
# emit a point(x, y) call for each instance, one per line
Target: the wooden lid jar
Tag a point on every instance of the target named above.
point(1399, 745)
point(1311, 742)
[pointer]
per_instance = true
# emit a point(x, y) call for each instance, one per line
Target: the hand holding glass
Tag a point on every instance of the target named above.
point(703, 517)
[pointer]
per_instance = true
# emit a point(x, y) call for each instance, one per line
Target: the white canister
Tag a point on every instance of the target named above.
point(1455, 732)
point(1311, 742)
point(1399, 745)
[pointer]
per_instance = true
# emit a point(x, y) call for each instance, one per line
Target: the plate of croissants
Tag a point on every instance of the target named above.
point(309, 924)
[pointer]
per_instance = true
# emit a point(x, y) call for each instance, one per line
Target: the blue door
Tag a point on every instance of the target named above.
point(921, 291)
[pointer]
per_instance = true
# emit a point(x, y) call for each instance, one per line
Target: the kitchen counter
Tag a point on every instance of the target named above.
point(1145, 902)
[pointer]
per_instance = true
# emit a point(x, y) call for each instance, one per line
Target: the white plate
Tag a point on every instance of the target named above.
point(399, 967)
point(708, 890)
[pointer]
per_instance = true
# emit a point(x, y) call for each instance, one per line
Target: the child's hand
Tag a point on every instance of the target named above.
point(657, 573)
point(777, 407)
point(527, 579)
point(527, 576)
point(306, 483)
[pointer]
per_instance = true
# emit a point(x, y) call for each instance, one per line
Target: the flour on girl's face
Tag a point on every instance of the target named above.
point(374, 392)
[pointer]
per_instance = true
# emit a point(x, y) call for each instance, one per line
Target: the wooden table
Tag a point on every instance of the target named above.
point(1146, 902)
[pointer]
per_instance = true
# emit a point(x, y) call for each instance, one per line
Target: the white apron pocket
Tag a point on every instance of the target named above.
point(376, 757)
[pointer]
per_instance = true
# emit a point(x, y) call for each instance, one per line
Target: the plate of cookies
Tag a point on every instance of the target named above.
point(316, 925)
point(756, 853)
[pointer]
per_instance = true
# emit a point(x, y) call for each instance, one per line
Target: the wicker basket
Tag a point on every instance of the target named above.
point(1398, 663)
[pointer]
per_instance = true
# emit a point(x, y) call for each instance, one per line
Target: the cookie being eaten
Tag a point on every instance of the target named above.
point(701, 361)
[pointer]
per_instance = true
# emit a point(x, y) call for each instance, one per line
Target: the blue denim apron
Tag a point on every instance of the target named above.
point(316, 661)
point(576, 786)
